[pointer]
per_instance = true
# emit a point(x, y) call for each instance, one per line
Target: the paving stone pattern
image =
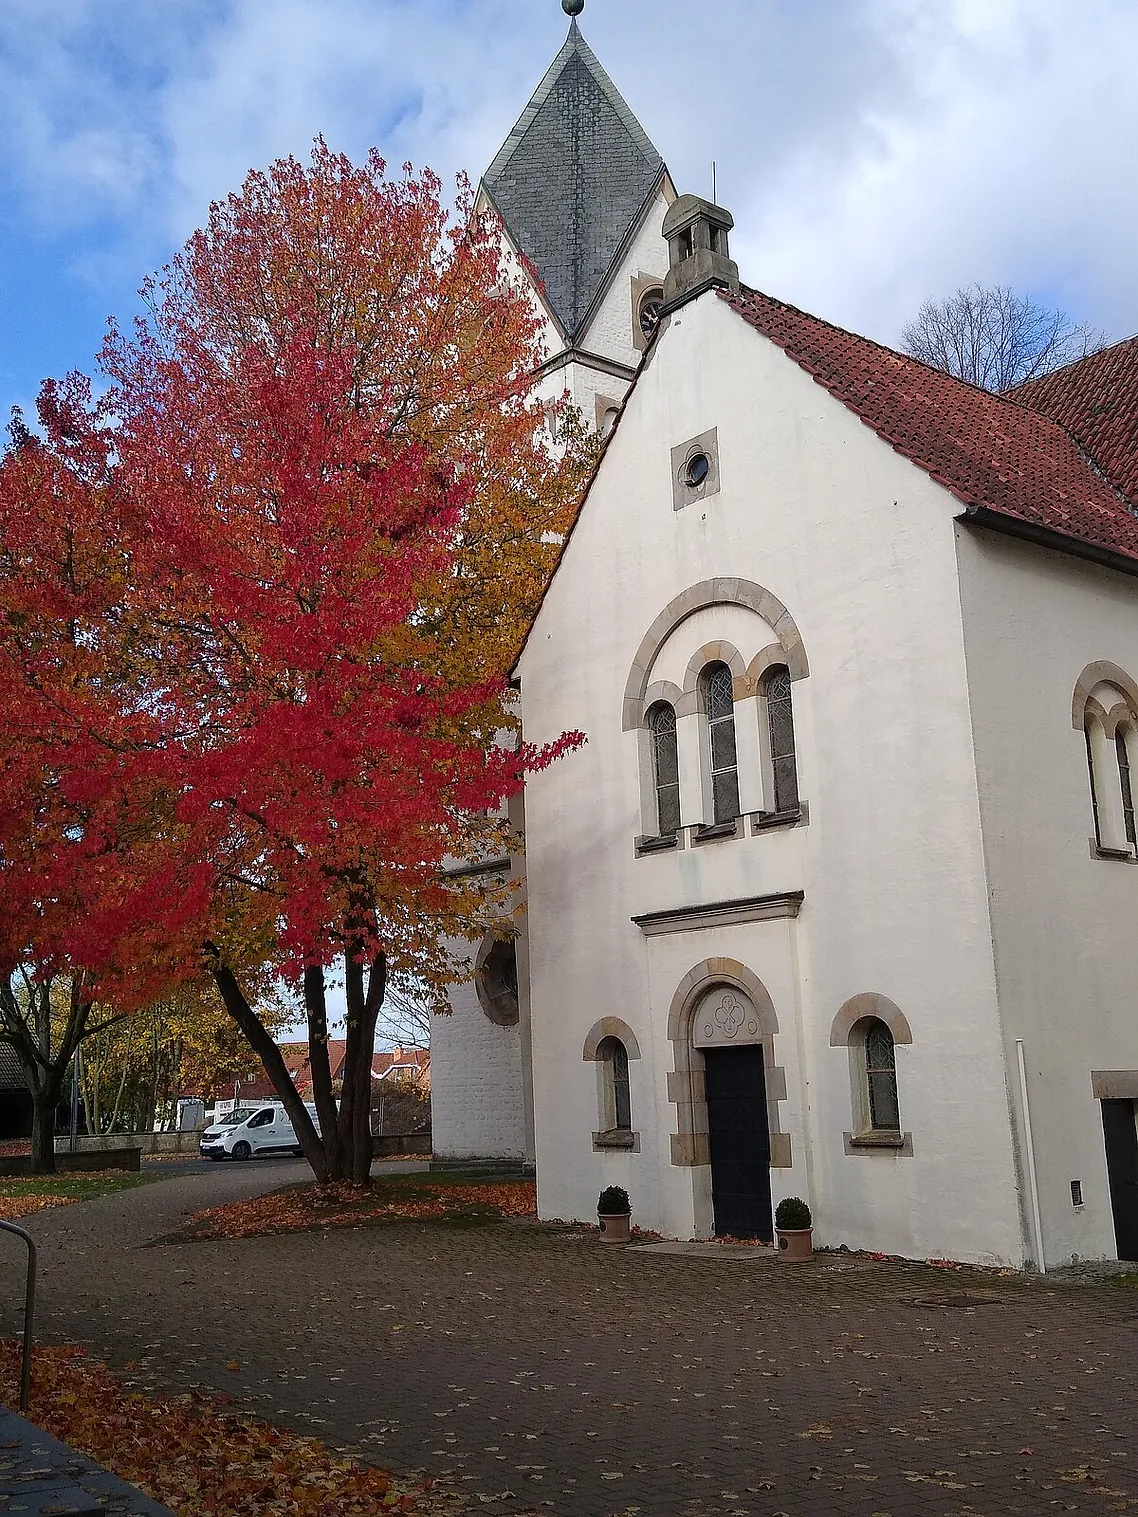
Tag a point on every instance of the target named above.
point(536, 1371)
point(41, 1477)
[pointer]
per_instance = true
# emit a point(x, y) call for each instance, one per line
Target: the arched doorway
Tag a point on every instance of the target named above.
point(727, 1034)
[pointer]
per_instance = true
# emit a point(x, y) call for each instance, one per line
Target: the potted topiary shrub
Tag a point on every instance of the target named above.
point(792, 1224)
point(614, 1213)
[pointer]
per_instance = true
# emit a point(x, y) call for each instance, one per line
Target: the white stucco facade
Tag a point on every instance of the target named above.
point(859, 546)
point(1062, 914)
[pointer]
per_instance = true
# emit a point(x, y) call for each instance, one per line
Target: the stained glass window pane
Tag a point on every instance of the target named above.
point(881, 1069)
point(1091, 771)
point(725, 794)
point(723, 745)
point(719, 707)
point(618, 1090)
point(780, 722)
point(665, 768)
point(1124, 777)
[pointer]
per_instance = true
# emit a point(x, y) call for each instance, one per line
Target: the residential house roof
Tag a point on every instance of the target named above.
point(573, 178)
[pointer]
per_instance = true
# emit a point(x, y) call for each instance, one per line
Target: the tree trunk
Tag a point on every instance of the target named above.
point(44, 1101)
point(320, 1070)
point(270, 1056)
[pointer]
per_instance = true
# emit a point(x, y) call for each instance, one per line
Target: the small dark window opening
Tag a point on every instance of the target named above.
point(699, 467)
point(618, 1088)
point(780, 725)
point(687, 244)
point(1127, 792)
point(881, 1073)
point(665, 768)
point(719, 709)
point(1094, 789)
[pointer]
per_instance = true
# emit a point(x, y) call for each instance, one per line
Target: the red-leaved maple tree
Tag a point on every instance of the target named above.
point(324, 485)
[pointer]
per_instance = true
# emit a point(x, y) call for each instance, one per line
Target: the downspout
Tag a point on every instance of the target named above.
point(1033, 1179)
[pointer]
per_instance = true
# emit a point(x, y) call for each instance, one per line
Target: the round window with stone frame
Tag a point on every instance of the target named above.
point(696, 470)
point(496, 982)
point(648, 311)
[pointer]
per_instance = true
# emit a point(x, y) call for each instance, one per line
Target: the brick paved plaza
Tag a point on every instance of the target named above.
point(537, 1372)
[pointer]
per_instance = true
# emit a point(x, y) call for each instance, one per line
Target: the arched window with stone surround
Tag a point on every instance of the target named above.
point(1105, 708)
point(665, 768)
point(617, 1088)
point(780, 736)
point(717, 690)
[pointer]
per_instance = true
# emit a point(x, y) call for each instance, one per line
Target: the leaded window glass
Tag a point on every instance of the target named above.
point(1094, 787)
point(665, 768)
point(719, 709)
point(1127, 792)
point(881, 1073)
point(780, 726)
point(618, 1089)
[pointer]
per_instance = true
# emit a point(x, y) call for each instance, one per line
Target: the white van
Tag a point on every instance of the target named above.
point(248, 1130)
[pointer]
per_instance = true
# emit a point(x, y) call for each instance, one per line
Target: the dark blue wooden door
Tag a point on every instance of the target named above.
point(740, 1142)
point(1122, 1166)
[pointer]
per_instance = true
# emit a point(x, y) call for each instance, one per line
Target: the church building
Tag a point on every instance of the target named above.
point(836, 902)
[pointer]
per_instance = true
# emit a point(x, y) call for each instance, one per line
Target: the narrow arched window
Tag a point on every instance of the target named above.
point(780, 730)
point(881, 1079)
point(1124, 780)
point(1094, 787)
point(718, 688)
point(617, 1089)
point(665, 768)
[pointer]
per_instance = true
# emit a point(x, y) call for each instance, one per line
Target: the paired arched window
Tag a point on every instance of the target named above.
point(665, 768)
point(780, 735)
point(717, 688)
point(1110, 734)
point(617, 1089)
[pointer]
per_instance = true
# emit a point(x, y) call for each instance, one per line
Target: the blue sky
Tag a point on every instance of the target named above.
point(873, 151)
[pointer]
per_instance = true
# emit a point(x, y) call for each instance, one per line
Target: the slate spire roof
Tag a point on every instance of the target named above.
point(572, 180)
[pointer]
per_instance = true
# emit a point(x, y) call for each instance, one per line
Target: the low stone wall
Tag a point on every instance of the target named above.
point(147, 1142)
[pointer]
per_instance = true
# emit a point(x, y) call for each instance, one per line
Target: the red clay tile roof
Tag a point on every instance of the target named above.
point(1096, 400)
point(988, 450)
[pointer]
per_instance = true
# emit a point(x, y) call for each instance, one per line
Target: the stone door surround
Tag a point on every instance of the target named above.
point(739, 1011)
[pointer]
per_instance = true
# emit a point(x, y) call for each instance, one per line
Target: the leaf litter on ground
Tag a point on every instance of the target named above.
point(187, 1453)
point(303, 1207)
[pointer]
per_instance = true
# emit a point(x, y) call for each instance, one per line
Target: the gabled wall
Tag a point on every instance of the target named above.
point(858, 545)
point(1064, 920)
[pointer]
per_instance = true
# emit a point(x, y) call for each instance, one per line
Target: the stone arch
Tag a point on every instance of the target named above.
point(869, 1004)
point(716, 652)
point(1101, 672)
point(609, 1027)
point(686, 1088)
point(710, 592)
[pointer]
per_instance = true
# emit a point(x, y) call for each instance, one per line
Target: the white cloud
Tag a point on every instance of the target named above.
point(873, 151)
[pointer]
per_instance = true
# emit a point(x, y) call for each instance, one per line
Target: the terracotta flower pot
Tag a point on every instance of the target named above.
point(615, 1229)
point(795, 1244)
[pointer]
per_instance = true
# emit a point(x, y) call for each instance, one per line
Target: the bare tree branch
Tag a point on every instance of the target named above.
point(994, 338)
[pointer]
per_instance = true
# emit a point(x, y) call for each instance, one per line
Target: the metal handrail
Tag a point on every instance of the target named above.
point(29, 1313)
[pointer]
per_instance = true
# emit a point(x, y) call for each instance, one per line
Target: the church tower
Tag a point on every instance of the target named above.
point(582, 194)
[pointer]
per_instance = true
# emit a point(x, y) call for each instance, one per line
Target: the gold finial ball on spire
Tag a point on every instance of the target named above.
point(572, 7)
